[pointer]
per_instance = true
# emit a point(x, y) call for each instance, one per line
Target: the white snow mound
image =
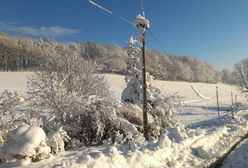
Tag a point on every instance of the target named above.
point(26, 138)
point(24, 143)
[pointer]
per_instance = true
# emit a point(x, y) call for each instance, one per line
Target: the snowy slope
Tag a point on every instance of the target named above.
point(195, 109)
point(17, 80)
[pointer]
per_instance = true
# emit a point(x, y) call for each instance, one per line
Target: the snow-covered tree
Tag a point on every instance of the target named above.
point(227, 76)
point(240, 75)
point(162, 109)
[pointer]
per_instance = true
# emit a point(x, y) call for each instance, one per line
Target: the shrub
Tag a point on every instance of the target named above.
point(11, 110)
point(55, 92)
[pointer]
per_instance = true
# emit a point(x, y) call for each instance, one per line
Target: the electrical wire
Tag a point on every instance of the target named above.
point(129, 22)
point(158, 42)
point(152, 34)
point(112, 13)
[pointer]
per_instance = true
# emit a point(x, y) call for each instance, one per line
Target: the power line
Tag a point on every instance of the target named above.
point(142, 24)
point(152, 34)
point(158, 42)
point(129, 22)
point(110, 12)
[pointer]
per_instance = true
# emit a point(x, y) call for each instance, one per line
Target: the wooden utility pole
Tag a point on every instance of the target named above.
point(232, 105)
point(145, 118)
point(143, 24)
point(217, 97)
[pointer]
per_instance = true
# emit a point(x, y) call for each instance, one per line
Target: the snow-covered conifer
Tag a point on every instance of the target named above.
point(162, 108)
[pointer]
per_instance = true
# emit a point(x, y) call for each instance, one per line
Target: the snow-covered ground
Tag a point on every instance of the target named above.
point(239, 157)
point(17, 80)
point(14, 80)
point(202, 142)
point(189, 149)
point(195, 108)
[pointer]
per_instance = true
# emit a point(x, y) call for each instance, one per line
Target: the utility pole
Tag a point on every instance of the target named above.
point(217, 97)
point(143, 24)
point(145, 118)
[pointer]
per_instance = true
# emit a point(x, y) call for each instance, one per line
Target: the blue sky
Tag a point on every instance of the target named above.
point(211, 30)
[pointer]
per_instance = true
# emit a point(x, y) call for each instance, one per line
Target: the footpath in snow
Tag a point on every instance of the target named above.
point(238, 158)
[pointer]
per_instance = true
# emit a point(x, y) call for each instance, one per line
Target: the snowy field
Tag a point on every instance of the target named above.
point(13, 80)
point(195, 108)
point(184, 147)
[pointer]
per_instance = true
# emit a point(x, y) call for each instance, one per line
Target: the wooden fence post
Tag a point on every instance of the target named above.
point(217, 98)
point(232, 105)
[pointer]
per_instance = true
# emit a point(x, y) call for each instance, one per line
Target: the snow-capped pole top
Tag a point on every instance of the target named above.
point(141, 22)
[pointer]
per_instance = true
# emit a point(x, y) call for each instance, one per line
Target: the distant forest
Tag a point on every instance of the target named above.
point(19, 53)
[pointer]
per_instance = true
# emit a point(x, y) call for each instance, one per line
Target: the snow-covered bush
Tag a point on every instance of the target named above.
point(100, 120)
point(61, 82)
point(132, 113)
point(59, 95)
point(96, 121)
point(12, 111)
point(25, 143)
point(68, 93)
point(240, 76)
point(56, 140)
point(165, 109)
point(9, 100)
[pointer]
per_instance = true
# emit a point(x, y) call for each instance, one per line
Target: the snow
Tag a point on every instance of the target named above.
point(17, 81)
point(13, 80)
point(200, 95)
point(201, 142)
point(26, 134)
point(192, 149)
point(238, 158)
point(141, 20)
point(56, 140)
point(142, 24)
point(128, 128)
point(26, 142)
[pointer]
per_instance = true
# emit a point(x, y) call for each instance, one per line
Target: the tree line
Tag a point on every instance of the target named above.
point(22, 53)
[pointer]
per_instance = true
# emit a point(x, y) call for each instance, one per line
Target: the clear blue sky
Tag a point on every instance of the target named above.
point(211, 30)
